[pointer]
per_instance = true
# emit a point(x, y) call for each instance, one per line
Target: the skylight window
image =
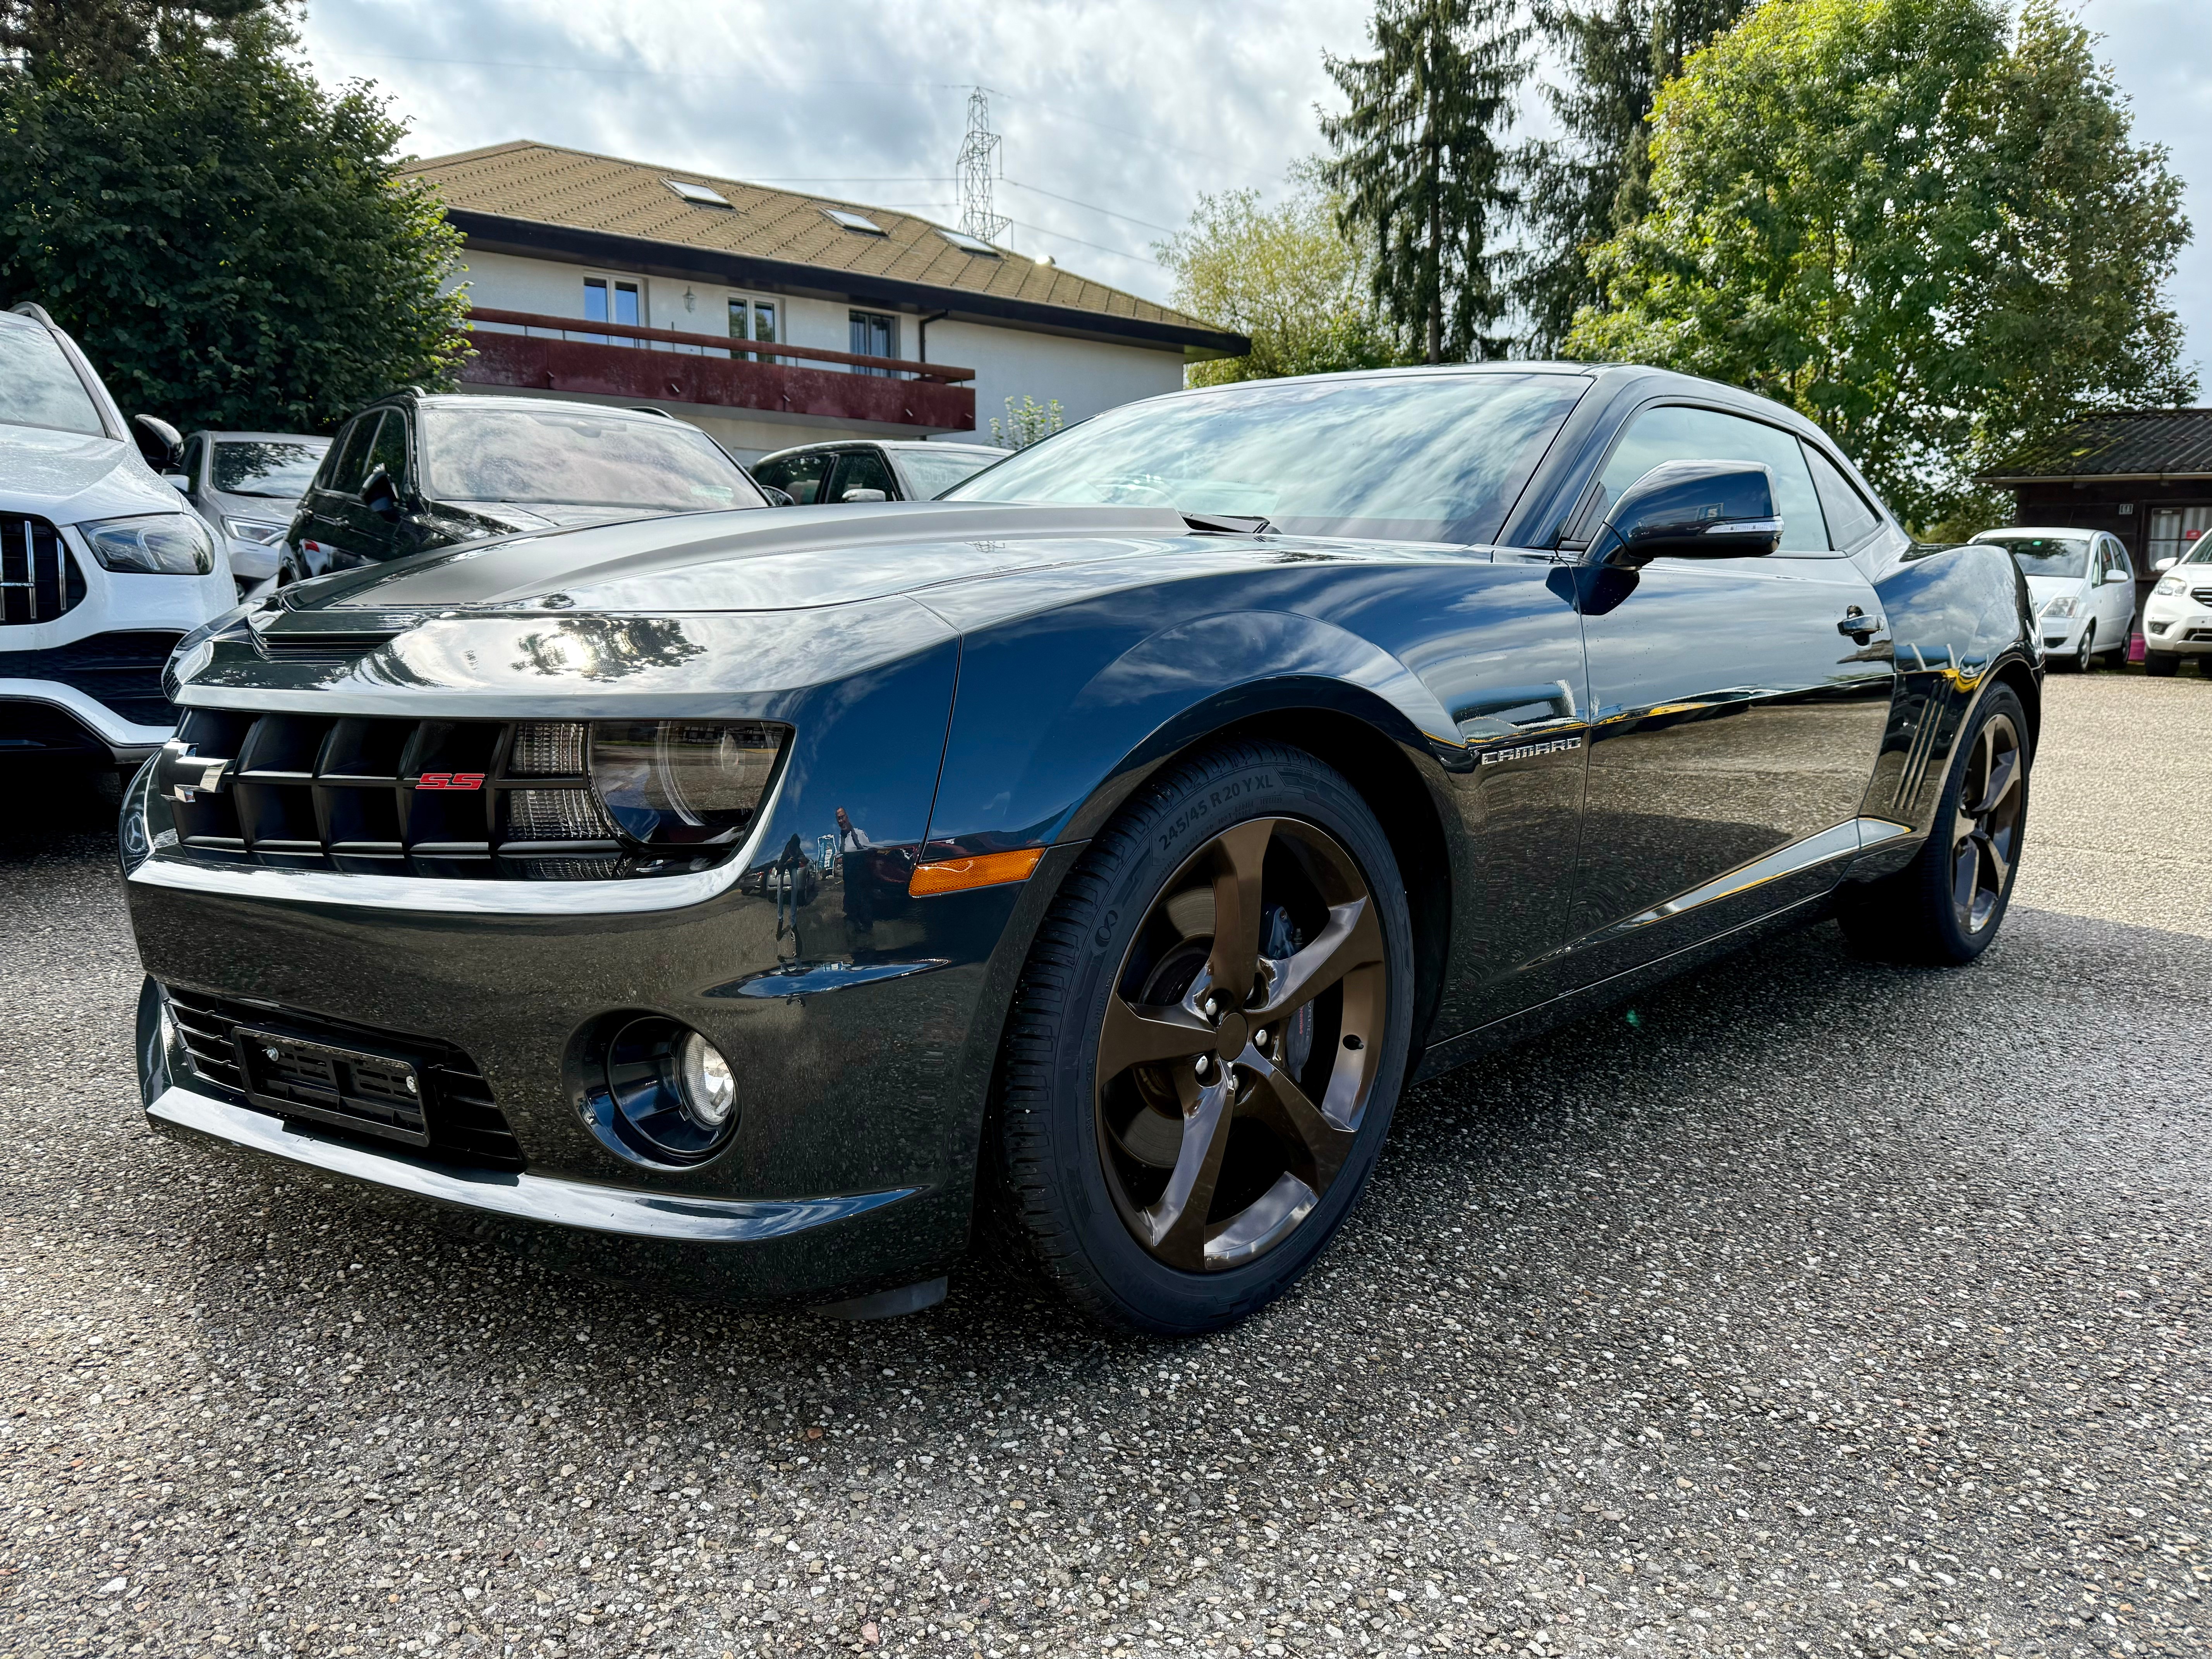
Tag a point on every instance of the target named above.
point(967, 244)
point(855, 220)
point(697, 194)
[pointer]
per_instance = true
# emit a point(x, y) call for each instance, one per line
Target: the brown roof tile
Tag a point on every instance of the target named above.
point(583, 192)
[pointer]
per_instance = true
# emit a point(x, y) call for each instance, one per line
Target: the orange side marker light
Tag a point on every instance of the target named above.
point(984, 870)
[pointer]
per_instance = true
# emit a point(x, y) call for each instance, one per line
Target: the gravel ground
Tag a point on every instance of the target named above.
point(1814, 1307)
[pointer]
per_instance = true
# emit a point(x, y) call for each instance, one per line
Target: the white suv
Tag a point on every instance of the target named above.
point(2178, 616)
point(102, 565)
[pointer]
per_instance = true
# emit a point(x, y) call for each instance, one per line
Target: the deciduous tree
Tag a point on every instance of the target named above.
point(1285, 277)
point(232, 245)
point(1928, 232)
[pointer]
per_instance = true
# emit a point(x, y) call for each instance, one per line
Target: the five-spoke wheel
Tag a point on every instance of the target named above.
point(1208, 1038)
point(1235, 1053)
point(1985, 828)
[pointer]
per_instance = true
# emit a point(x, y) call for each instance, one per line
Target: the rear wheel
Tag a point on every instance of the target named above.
point(1946, 906)
point(1209, 1035)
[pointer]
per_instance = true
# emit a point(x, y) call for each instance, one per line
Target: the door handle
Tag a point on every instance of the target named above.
point(1858, 624)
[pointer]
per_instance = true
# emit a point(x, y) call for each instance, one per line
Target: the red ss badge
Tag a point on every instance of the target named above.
point(450, 780)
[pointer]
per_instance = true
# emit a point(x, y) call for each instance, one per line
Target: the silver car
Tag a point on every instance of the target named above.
point(247, 485)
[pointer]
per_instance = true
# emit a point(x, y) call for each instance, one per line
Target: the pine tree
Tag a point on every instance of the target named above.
point(1420, 170)
point(1584, 189)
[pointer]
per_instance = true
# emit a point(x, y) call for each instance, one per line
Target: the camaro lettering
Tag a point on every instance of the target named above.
point(452, 781)
point(1525, 750)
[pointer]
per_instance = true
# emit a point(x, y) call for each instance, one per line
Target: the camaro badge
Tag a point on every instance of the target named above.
point(1530, 750)
point(452, 781)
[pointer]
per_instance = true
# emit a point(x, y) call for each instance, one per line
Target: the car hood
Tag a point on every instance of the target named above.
point(755, 559)
point(67, 478)
point(544, 515)
point(2043, 589)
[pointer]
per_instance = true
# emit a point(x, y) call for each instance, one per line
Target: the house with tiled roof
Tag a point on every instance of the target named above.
point(616, 280)
point(2145, 475)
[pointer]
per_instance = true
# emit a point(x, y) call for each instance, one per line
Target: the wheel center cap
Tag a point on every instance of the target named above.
point(1231, 1036)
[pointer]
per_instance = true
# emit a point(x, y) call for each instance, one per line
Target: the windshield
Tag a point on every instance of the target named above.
point(2200, 553)
point(550, 457)
point(279, 469)
point(2047, 555)
point(935, 472)
point(1436, 457)
point(38, 387)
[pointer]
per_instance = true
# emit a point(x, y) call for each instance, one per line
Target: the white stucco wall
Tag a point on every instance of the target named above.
point(1085, 376)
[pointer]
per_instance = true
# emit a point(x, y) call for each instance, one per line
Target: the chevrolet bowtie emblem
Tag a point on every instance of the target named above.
point(181, 773)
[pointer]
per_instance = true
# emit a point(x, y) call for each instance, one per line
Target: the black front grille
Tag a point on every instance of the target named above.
point(453, 1117)
point(39, 577)
point(122, 671)
point(474, 799)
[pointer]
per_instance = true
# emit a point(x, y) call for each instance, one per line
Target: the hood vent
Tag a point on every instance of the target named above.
point(325, 645)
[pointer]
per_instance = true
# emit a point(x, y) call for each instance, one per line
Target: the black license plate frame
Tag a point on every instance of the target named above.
point(370, 1088)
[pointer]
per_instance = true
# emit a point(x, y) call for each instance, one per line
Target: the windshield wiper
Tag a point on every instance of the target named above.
point(1226, 524)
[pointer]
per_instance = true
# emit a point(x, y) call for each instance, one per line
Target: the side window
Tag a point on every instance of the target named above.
point(351, 451)
point(1851, 520)
point(1677, 433)
point(799, 476)
point(864, 469)
point(2115, 561)
point(390, 449)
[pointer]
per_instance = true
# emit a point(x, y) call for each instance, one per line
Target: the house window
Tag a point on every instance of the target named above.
point(609, 299)
point(753, 319)
point(2175, 532)
point(874, 335)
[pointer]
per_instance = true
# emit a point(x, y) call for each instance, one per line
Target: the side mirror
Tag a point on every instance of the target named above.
point(381, 496)
point(864, 495)
point(2164, 564)
point(1692, 510)
point(775, 498)
point(178, 481)
point(162, 444)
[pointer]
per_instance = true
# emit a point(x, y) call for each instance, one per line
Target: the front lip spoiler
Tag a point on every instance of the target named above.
point(667, 1218)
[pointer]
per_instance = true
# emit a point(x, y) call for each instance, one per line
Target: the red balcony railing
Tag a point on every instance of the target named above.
point(666, 365)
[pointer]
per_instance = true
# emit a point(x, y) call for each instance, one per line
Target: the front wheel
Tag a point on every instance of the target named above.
point(2162, 664)
point(1946, 906)
point(1209, 1037)
point(2087, 650)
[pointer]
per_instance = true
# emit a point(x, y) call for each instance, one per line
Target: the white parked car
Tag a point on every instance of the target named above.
point(247, 485)
point(102, 565)
point(2082, 587)
point(2178, 616)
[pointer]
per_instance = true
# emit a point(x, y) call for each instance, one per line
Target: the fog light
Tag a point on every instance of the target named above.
point(703, 1079)
point(657, 1091)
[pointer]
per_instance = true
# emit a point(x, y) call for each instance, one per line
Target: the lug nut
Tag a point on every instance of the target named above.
point(1212, 1007)
point(1202, 1064)
point(1260, 1041)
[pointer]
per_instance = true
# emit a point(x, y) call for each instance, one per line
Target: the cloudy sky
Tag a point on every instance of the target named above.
point(1115, 117)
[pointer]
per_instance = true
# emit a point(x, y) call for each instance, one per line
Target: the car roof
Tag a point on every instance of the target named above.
point(420, 399)
point(902, 445)
point(2026, 530)
point(259, 437)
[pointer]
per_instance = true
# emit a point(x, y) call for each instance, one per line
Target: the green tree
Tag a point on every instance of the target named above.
point(1419, 169)
point(1287, 278)
point(232, 246)
point(1027, 423)
point(106, 39)
point(1932, 239)
point(1584, 188)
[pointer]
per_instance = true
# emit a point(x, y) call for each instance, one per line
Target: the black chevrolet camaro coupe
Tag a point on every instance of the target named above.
point(747, 900)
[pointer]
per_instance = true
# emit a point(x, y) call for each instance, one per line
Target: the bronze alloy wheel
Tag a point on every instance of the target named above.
point(1239, 1045)
point(1985, 830)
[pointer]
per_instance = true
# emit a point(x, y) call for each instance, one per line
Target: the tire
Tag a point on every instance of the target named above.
point(1219, 1108)
point(2162, 664)
point(1917, 914)
point(2084, 653)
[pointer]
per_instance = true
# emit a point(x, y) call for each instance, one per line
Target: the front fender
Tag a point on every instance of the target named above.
point(1022, 768)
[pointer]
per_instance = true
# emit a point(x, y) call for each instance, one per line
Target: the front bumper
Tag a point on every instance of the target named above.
point(2178, 625)
point(46, 717)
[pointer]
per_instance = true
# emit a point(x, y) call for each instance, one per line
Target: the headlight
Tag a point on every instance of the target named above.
point(2066, 604)
point(259, 532)
point(2167, 585)
point(683, 783)
point(162, 545)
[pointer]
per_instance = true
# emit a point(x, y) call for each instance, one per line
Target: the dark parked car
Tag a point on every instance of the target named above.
point(1114, 840)
point(421, 470)
point(817, 474)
